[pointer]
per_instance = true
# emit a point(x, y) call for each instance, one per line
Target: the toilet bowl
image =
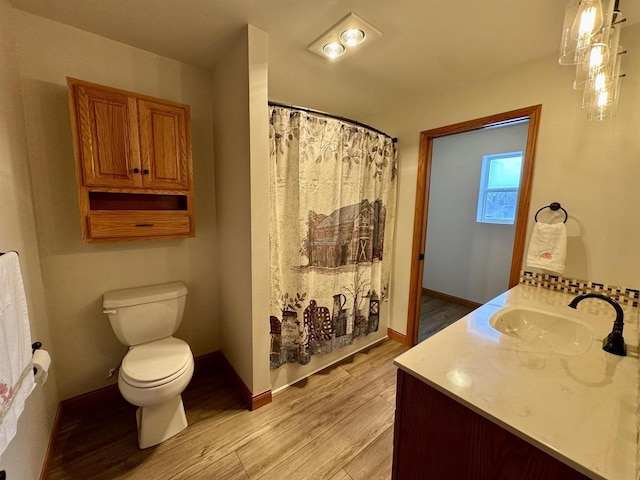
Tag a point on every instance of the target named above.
point(158, 367)
point(152, 377)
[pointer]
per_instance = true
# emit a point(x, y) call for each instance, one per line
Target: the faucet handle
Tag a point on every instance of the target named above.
point(614, 342)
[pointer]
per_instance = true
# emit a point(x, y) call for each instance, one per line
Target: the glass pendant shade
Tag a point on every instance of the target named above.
point(587, 23)
point(583, 22)
point(602, 99)
point(604, 104)
point(592, 78)
point(590, 40)
point(596, 62)
point(593, 87)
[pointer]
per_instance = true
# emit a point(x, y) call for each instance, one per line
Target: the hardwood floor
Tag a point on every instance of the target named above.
point(436, 314)
point(335, 425)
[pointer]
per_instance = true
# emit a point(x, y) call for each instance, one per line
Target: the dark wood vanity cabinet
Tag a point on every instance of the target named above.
point(435, 437)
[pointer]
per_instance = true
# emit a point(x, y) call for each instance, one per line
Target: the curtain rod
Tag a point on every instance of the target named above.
point(325, 114)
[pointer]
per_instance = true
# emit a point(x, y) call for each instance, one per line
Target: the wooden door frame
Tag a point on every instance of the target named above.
point(425, 155)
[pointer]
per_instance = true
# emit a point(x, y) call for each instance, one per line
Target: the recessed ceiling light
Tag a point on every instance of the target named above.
point(349, 31)
point(333, 49)
point(352, 37)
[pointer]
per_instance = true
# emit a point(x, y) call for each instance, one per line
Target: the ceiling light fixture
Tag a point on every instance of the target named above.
point(352, 37)
point(344, 37)
point(590, 41)
point(333, 49)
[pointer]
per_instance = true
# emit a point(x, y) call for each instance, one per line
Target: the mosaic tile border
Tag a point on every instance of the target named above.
point(624, 296)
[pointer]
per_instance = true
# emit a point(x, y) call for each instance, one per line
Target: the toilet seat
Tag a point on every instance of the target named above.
point(156, 363)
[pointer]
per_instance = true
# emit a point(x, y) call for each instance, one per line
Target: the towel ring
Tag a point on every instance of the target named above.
point(555, 206)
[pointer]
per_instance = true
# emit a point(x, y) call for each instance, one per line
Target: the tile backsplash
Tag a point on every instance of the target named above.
point(624, 296)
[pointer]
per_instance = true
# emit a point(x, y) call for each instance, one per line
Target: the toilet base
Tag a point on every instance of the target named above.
point(158, 423)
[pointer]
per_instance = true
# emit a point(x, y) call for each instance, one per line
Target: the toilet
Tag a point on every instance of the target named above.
point(158, 367)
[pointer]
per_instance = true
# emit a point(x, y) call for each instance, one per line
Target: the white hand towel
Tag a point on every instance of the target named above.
point(16, 374)
point(548, 246)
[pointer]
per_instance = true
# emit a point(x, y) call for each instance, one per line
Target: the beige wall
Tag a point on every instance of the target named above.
point(592, 168)
point(233, 199)
point(240, 129)
point(76, 274)
point(23, 457)
point(259, 159)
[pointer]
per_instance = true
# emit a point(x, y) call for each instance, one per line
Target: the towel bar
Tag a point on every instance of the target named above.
point(554, 206)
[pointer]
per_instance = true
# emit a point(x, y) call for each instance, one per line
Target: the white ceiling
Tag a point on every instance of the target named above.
point(425, 43)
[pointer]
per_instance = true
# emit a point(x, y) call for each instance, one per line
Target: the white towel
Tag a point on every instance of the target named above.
point(548, 246)
point(16, 374)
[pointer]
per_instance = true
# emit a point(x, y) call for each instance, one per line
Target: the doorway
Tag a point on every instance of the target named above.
point(425, 187)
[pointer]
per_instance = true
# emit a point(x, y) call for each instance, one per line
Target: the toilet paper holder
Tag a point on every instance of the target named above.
point(35, 346)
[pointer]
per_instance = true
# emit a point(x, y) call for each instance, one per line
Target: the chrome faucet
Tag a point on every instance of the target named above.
point(614, 342)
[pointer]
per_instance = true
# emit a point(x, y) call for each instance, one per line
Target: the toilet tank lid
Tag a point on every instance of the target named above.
point(140, 295)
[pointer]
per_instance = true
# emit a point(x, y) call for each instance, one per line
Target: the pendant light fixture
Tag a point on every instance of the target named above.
point(590, 41)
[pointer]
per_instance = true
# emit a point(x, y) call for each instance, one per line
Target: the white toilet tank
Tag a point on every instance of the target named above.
point(143, 314)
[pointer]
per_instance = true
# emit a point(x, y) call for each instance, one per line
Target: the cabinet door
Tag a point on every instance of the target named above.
point(108, 137)
point(164, 146)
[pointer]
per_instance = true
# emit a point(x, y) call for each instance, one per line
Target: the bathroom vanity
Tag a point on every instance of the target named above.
point(485, 400)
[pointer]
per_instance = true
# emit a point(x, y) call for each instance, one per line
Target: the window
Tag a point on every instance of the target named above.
point(499, 185)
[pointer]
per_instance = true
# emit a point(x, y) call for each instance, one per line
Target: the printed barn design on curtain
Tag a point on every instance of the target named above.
point(333, 191)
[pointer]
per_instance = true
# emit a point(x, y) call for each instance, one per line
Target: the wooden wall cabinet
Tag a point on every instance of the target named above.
point(133, 164)
point(436, 437)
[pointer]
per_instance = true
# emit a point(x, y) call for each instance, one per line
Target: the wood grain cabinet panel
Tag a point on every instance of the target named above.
point(163, 144)
point(130, 148)
point(436, 437)
point(121, 224)
point(108, 137)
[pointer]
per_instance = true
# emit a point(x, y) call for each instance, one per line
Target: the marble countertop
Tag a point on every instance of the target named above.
point(580, 409)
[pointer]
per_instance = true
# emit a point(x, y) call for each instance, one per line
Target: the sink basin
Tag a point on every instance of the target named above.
point(548, 331)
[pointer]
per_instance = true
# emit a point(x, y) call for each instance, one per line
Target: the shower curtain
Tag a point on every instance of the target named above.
point(333, 195)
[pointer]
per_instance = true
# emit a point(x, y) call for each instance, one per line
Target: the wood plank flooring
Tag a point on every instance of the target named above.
point(436, 314)
point(336, 425)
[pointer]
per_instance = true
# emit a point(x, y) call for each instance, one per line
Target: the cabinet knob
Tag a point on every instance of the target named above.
point(136, 170)
point(145, 171)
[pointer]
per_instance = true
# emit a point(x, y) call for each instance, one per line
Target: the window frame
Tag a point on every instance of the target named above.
point(484, 188)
